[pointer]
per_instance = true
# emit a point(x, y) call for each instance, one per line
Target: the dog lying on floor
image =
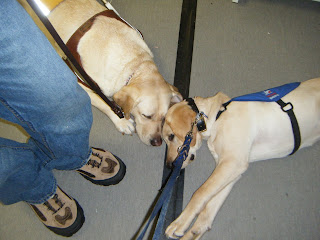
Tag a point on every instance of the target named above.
point(244, 132)
point(116, 57)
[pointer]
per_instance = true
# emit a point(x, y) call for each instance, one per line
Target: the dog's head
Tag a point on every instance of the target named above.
point(178, 123)
point(147, 98)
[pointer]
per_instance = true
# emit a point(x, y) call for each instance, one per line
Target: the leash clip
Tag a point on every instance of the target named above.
point(189, 136)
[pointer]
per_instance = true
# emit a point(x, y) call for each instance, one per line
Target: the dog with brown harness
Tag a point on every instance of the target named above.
point(116, 57)
point(270, 124)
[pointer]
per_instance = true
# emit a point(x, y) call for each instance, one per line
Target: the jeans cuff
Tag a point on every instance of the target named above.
point(84, 162)
point(46, 197)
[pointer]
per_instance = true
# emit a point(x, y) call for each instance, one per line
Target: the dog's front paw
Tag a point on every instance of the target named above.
point(196, 232)
point(176, 229)
point(171, 231)
point(125, 126)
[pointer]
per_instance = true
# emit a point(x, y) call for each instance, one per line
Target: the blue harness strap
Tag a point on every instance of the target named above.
point(269, 95)
point(274, 95)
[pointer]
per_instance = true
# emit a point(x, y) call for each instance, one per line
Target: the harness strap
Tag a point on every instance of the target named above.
point(286, 107)
point(73, 41)
point(294, 123)
point(224, 109)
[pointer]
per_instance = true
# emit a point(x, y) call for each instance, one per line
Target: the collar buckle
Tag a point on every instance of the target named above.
point(200, 121)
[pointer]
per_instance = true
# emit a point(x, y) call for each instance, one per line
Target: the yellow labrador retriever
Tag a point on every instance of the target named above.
point(245, 132)
point(116, 57)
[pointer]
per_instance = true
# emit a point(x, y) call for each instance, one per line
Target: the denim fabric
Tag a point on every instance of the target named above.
point(40, 93)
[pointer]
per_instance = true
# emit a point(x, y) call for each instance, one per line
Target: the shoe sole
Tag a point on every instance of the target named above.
point(75, 227)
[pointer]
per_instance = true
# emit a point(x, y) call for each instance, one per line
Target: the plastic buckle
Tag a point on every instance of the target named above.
point(287, 104)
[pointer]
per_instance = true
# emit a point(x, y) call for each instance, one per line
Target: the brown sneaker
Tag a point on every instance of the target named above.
point(103, 168)
point(61, 214)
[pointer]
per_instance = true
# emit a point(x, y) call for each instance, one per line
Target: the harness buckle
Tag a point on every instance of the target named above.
point(284, 107)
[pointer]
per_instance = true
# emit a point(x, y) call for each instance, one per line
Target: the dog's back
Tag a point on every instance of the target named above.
point(69, 15)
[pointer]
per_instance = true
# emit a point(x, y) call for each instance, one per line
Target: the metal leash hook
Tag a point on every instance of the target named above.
point(181, 148)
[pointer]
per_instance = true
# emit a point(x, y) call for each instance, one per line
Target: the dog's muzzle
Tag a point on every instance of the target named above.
point(157, 141)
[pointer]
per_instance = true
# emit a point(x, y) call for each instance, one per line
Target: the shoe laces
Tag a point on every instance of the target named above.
point(57, 200)
point(94, 163)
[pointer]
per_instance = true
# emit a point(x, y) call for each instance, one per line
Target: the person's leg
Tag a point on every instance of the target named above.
point(40, 93)
point(22, 177)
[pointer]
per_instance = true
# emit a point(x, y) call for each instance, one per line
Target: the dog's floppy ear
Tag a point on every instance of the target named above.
point(126, 99)
point(176, 96)
point(222, 98)
point(181, 120)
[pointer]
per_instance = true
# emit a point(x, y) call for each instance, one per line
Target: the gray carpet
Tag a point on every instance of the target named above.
point(238, 49)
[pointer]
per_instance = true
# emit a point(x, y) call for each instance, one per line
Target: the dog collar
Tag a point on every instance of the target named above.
point(200, 121)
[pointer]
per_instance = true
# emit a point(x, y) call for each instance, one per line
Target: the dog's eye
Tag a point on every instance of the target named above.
point(146, 116)
point(171, 137)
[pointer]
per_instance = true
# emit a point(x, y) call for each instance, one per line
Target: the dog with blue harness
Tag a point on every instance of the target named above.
point(270, 124)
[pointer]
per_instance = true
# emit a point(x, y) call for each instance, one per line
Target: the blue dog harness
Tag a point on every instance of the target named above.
point(274, 95)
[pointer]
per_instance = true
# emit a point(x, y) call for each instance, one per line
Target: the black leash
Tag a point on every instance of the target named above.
point(72, 61)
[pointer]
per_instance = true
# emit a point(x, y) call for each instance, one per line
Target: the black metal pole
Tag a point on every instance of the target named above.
point(182, 82)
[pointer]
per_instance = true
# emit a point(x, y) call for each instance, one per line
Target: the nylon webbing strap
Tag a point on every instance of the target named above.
point(294, 123)
point(182, 82)
point(288, 108)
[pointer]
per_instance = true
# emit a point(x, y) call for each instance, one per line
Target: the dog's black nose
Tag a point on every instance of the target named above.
point(157, 141)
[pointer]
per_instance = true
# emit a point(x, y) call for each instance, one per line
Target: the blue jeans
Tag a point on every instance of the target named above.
point(40, 93)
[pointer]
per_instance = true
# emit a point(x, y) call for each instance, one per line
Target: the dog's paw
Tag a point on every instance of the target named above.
point(196, 232)
point(176, 229)
point(171, 231)
point(125, 126)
